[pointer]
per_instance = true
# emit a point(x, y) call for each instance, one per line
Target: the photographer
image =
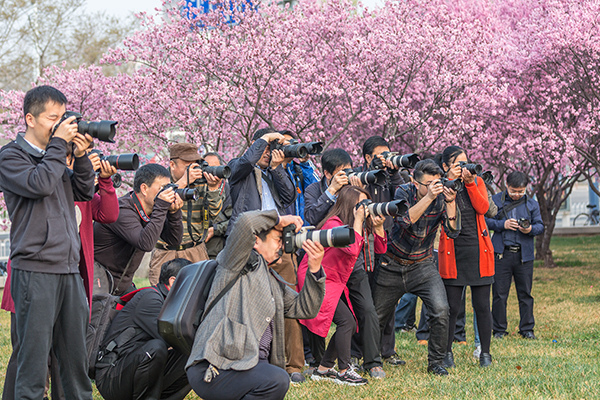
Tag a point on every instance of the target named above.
point(215, 235)
point(339, 264)
point(146, 214)
point(186, 173)
point(143, 367)
point(238, 351)
point(321, 196)
point(515, 225)
point(258, 180)
point(47, 287)
point(408, 265)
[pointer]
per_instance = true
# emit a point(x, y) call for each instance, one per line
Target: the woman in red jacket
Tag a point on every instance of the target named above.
point(338, 264)
point(468, 260)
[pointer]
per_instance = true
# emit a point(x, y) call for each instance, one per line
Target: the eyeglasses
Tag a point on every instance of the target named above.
point(424, 184)
point(519, 193)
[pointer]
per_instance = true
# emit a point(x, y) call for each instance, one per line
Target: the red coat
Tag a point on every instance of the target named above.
point(447, 260)
point(104, 208)
point(338, 264)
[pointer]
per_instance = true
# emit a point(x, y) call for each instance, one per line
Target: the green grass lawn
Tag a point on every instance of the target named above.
point(564, 363)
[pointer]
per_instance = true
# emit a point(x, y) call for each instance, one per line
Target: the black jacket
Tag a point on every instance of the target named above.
point(317, 202)
point(40, 191)
point(245, 181)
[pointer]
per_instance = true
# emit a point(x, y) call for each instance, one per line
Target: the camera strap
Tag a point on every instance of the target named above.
point(511, 206)
point(27, 148)
point(138, 207)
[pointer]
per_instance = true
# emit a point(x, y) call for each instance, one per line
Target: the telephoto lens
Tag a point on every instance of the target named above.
point(102, 130)
point(341, 236)
point(220, 171)
point(376, 177)
point(474, 169)
point(488, 177)
point(293, 150)
point(388, 209)
point(185, 194)
point(124, 162)
point(314, 148)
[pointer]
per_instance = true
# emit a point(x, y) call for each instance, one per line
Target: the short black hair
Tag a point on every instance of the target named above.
point(331, 159)
point(426, 167)
point(517, 179)
point(147, 173)
point(371, 143)
point(36, 99)
point(171, 268)
point(289, 133)
point(261, 132)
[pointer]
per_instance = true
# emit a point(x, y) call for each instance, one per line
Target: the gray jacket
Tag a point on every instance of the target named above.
point(229, 336)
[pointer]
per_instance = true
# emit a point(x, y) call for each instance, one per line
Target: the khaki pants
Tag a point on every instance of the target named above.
point(160, 256)
point(294, 346)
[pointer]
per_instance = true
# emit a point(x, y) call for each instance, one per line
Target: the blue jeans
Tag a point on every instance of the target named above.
point(405, 311)
point(393, 279)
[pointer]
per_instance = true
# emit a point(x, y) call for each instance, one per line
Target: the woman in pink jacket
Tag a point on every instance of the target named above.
point(338, 264)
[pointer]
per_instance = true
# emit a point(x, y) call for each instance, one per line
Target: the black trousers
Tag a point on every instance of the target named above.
point(263, 381)
point(459, 332)
point(481, 306)
point(338, 347)
point(148, 372)
point(507, 268)
point(365, 342)
point(51, 312)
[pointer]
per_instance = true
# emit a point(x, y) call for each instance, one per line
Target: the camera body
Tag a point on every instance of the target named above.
point(399, 161)
point(524, 223)
point(454, 184)
point(125, 162)
point(102, 130)
point(221, 171)
point(341, 236)
point(185, 194)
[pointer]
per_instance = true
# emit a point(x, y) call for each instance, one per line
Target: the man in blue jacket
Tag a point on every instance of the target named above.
point(517, 222)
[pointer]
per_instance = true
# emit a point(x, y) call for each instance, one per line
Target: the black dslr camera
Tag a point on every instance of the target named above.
point(387, 209)
point(296, 149)
point(185, 194)
point(376, 177)
point(102, 130)
point(341, 236)
point(399, 161)
point(474, 169)
point(221, 171)
point(524, 223)
point(454, 184)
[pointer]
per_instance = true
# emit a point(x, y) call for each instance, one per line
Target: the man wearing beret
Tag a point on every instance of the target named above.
point(197, 215)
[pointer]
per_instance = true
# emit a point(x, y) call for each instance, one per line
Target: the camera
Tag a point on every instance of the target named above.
point(474, 169)
point(454, 184)
point(296, 149)
point(102, 130)
point(524, 223)
point(185, 194)
point(387, 209)
point(125, 162)
point(341, 236)
point(221, 171)
point(376, 177)
point(487, 177)
point(399, 161)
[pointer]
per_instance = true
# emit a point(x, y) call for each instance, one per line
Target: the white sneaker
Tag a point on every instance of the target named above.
point(477, 351)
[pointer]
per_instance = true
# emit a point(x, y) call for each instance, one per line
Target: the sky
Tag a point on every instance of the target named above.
point(122, 8)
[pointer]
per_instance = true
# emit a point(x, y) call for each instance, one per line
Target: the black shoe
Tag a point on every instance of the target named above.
point(448, 361)
point(500, 335)
point(528, 335)
point(437, 369)
point(394, 360)
point(485, 359)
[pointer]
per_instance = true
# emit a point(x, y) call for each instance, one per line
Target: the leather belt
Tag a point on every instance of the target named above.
point(182, 247)
point(512, 249)
point(404, 261)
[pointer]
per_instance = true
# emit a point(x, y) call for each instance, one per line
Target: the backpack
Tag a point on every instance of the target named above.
point(105, 307)
point(185, 306)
